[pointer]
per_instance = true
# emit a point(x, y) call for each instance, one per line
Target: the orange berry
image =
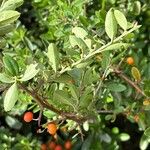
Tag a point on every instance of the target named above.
point(52, 128)
point(68, 145)
point(43, 147)
point(51, 145)
point(28, 116)
point(130, 60)
point(136, 118)
point(58, 147)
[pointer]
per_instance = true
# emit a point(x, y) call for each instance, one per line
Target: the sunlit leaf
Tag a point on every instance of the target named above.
point(110, 24)
point(30, 72)
point(11, 97)
point(53, 56)
point(121, 19)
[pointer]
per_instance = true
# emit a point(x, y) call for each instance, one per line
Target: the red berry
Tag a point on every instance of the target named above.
point(68, 145)
point(28, 116)
point(51, 145)
point(43, 147)
point(58, 147)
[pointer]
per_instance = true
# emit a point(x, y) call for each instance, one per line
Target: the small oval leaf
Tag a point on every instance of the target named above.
point(116, 87)
point(8, 16)
point(136, 74)
point(30, 72)
point(79, 32)
point(11, 97)
point(53, 56)
point(5, 78)
point(11, 4)
point(111, 24)
point(121, 19)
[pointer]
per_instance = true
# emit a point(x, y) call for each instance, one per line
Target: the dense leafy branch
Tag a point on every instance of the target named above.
point(101, 49)
point(44, 104)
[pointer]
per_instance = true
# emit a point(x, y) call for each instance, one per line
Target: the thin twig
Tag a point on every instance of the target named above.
point(40, 116)
point(123, 76)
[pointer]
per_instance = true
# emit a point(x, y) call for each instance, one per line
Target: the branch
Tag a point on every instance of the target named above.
point(44, 104)
point(121, 75)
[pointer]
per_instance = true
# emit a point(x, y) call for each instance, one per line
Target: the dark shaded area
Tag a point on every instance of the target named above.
point(126, 126)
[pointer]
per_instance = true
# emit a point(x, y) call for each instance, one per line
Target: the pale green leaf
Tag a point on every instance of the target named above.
point(8, 16)
point(147, 132)
point(79, 32)
point(53, 56)
point(74, 41)
point(110, 24)
point(121, 19)
point(30, 72)
point(11, 97)
point(86, 125)
point(11, 5)
point(5, 78)
point(144, 142)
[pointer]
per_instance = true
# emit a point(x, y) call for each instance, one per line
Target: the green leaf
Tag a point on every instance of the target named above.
point(121, 19)
point(79, 32)
point(11, 65)
point(110, 24)
point(64, 78)
point(144, 142)
point(13, 122)
point(74, 41)
point(117, 46)
point(53, 56)
point(74, 91)
point(137, 7)
point(30, 72)
point(115, 130)
point(116, 87)
point(11, 5)
point(8, 16)
point(147, 132)
point(124, 137)
point(87, 143)
point(106, 59)
point(11, 97)
point(86, 126)
point(84, 64)
point(5, 78)
point(63, 97)
point(6, 29)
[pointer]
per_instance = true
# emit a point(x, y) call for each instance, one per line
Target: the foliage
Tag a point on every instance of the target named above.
point(73, 71)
